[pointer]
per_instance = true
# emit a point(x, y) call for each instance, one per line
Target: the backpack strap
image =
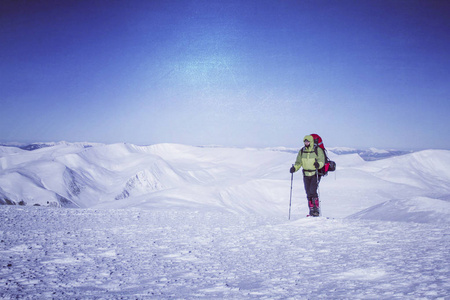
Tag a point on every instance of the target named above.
point(315, 150)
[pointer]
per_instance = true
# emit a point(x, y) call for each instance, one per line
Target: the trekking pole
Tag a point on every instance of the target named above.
point(318, 192)
point(290, 198)
point(317, 178)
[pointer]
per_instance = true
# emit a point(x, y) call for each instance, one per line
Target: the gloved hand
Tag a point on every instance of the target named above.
point(292, 170)
point(316, 164)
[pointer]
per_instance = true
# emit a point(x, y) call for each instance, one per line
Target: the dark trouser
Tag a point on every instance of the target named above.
point(311, 185)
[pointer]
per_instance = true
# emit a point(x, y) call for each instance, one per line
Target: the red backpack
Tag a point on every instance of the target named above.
point(329, 166)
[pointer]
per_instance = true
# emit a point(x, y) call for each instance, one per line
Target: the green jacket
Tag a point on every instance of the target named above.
point(307, 157)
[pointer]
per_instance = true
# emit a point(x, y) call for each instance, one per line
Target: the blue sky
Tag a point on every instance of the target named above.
point(236, 73)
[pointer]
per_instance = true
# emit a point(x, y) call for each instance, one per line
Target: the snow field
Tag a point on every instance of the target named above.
point(173, 221)
point(166, 254)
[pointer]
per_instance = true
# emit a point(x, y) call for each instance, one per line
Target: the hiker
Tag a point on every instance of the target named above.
point(310, 158)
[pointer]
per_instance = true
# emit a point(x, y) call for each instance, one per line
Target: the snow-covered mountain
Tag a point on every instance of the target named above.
point(174, 221)
point(369, 154)
point(240, 180)
point(212, 223)
point(35, 146)
point(366, 154)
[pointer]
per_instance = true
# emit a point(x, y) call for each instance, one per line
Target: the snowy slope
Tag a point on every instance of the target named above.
point(211, 223)
point(232, 179)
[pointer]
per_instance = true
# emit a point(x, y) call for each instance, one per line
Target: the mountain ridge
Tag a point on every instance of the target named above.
point(240, 180)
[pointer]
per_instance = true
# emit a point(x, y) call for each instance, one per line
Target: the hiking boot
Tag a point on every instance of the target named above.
point(315, 212)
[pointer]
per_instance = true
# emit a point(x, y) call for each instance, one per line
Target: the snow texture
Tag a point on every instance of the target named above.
point(174, 221)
